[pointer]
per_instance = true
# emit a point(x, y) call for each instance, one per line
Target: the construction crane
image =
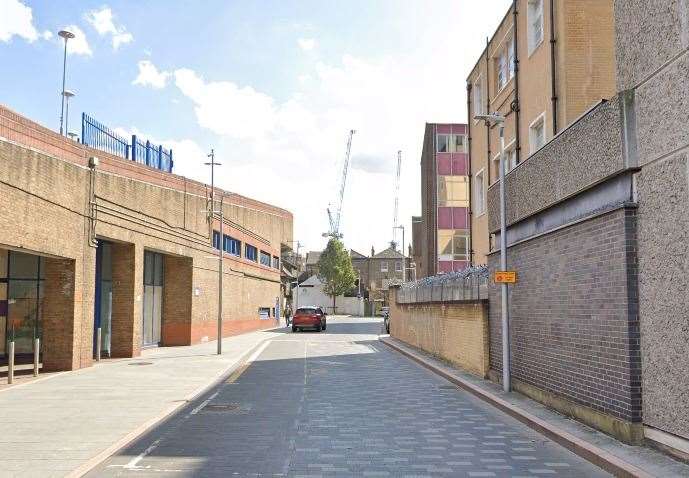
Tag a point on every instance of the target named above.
point(393, 243)
point(334, 219)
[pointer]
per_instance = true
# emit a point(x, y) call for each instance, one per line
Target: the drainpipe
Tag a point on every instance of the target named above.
point(470, 174)
point(553, 42)
point(488, 107)
point(515, 104)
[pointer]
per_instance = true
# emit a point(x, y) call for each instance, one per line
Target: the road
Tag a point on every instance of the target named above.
point(340, 403)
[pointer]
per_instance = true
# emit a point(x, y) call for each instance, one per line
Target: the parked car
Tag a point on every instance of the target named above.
point(386, 319)
point(309, 318)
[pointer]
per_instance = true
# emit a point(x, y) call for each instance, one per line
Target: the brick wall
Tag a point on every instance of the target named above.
point(573, 313)
point(454, 331)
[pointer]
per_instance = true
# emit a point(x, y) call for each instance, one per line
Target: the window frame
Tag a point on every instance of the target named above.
point(542, 120)
point(216, 239)
point(398, 266)
point(263, 254)
point(482, 200)
point(448, 143)
point(384, 266)
point(227, 242)
point(478, 85)
point(247, 248)
point(530, 11)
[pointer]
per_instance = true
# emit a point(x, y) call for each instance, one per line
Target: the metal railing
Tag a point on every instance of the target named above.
point(98, 136)
point(468, 285)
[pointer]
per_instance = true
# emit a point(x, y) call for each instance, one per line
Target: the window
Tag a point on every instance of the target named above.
point(537, 134)
point(510, 160)
point(265, 259)
point(478, 97)
point(231, 246)
point(443, 143)
point(251, 253)
point(264, 312)
point(458, 143)
point(535, 24)
point(453, 191)
point(479, 193)
point(504, 64)
point(276, 262)
point(383, 267)
point(398, 266)
point(216, 239)
point(460, 246)
point(453, 245)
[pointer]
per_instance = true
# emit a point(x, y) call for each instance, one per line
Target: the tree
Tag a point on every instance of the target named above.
point(335, 270)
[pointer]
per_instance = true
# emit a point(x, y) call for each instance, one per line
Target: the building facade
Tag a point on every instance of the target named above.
point(115, 245)
point(444, 200)
point(548, 63)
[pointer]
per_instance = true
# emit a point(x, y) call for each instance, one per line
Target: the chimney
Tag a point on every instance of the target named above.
point(373, 251)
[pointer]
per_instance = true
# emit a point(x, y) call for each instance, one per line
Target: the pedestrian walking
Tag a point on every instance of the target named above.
point(288, 315)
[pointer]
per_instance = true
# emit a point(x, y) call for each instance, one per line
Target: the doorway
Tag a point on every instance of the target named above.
point(153, 298)
point(103, 298)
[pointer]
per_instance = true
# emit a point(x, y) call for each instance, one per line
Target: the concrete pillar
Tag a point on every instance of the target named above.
point(59, 320)
point(127, 286)
point(177, 297)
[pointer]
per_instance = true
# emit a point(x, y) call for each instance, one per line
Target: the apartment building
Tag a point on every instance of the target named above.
point(548, 63)
point(443, 228)
point(94, 243)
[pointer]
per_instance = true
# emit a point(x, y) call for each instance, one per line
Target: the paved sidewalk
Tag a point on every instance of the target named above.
point(54, 426)
point(605, 451)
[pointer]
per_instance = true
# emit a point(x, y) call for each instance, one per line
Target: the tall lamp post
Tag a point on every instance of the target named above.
point(404, 257)
point(212, 163)
point(66, 34)
point(67, 94)
point(499, 120)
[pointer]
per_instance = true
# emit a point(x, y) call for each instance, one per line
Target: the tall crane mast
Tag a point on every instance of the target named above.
point(334, 219)
point(393, 243)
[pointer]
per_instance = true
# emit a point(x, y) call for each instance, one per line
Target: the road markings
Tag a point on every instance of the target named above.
point(203, 404)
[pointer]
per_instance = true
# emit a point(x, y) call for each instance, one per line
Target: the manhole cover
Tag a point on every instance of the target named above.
point(140, 363)
point(221, 407)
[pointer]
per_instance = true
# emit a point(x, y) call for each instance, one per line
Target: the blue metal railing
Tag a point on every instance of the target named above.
point(98, 136)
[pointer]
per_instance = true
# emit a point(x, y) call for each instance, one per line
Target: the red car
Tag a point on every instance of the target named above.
point(309, 318)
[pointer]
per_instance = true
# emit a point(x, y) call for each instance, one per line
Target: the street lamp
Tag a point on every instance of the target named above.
point(66, 34)
point(499, 120)
point(212, 163)
point(67, 94)
point(404, 257)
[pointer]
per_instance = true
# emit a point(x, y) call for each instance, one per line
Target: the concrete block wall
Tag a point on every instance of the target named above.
point(456, 332)
point(653, 64)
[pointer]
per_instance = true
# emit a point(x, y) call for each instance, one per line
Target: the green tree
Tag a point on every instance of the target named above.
point(335, 270)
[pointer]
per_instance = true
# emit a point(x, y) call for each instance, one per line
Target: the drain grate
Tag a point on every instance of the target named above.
point(140, 363)
point(221, 407)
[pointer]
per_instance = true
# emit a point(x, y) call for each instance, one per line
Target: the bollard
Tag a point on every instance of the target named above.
point(98, 336)
point(36, 354)
point(10, 363)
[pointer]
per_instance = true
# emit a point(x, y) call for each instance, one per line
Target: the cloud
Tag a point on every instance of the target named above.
point(307, 44)
point(149, 75)
point(47, 35)
point(77, 45)
point(103, 22)
point(16, 19)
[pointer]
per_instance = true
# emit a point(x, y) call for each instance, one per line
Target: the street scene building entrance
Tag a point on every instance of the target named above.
point(153, 297)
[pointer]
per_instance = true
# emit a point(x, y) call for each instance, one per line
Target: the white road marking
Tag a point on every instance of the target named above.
point(133, 462)
point(203, 404)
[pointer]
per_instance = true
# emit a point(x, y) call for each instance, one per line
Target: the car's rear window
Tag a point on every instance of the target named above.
point(306, 310)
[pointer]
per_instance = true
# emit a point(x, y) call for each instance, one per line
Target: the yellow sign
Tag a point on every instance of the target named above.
point(505, 277)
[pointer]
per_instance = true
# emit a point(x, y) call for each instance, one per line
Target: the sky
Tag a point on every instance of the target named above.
point(274, 87)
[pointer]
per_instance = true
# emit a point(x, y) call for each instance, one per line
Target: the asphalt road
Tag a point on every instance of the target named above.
point(339, 403)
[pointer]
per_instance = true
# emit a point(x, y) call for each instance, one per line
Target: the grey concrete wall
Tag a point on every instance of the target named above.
point(586, 153)
point(653, 60)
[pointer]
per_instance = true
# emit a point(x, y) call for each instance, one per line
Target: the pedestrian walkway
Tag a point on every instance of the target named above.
point(60, 424)
point(605, 451)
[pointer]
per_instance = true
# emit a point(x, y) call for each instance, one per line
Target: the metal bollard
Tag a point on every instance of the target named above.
point(98, 345)
point(10, 363)
point(36, 354)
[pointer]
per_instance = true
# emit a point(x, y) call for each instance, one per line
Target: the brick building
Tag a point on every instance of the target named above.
point(124, 247)
point(546, 65)
point(441, 235)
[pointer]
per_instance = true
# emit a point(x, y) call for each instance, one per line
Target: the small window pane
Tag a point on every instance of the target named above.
point(458, 143)
point(445, 243)
point(443, 143)
point(23, 266)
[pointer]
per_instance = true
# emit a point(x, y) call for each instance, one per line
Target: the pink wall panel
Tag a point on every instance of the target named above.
point(459, 128)
point(460, 218)
point(443, 129)
point(444, 164)
point(459, 265)
point(460, 164)
point(445, 218)
point(444, 266)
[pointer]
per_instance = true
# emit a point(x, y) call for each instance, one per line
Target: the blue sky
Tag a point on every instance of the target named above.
point(273, 86)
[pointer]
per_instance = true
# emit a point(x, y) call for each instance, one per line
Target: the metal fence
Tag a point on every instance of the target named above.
point(98, 136)
point(469, 284)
